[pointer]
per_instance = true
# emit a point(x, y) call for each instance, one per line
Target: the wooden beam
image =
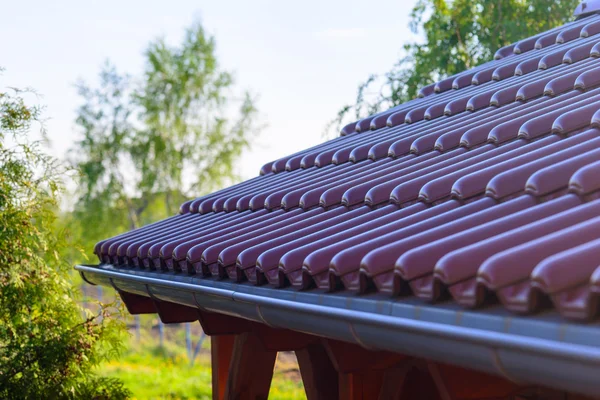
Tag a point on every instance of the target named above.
point(250, 369)
point(418, 384)
point(221, 324)
point(350, 386)
point(440, 382)
point(319, 377)
point(137, 304)
point(221, 348)
point(459, 383)
point(348, 357)
point(361, 371)
point(283, 339)
point(172, 313)
point(361, 385)
point(393, 381)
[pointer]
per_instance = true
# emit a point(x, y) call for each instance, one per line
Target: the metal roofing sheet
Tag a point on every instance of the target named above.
point(484, 189)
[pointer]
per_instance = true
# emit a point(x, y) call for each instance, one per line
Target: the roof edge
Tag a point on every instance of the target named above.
point(519, 358)
point(586, 8)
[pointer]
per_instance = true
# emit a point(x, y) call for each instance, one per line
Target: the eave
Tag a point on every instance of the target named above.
point(544, 349)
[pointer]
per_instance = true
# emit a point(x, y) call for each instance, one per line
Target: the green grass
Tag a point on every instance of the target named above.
point(152, 372)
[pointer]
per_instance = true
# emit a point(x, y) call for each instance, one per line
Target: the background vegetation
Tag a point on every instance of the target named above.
point(152, 371)
point(456, 35)
point(47, 349)
point(148, 141)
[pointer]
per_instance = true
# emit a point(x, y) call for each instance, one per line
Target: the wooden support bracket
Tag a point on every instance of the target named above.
point(137, 304)
point(319, 376)
point(250, 369)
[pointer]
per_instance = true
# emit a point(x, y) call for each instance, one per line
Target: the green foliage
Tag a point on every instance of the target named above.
point(150, 143)
point(47, 346)
point(154, 372)
point(457, 35)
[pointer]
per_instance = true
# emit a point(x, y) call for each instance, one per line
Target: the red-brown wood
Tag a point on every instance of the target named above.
point(361, 385)
point(137, 304)
point(319, 377)
point(172, 313)
point(347, 357)
point(250, 370)
point(393, 381)
point(418, 384)
point(466, 384)
point(221, 324)
point(244, 353)
point(221, 348)
point(350, 386)
point(361, 371)
point(283, 339)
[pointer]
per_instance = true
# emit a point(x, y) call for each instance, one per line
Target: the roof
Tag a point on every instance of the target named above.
point(469, 216)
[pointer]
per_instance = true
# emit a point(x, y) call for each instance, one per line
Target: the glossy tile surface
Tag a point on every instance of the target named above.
point(484, 189)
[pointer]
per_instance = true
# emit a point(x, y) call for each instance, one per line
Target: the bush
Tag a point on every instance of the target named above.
point(49, 345)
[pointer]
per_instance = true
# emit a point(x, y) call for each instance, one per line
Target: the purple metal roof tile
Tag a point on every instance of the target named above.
point(498, 272)
point(138, 246)
point(251, 245)
point(228, 263)
point(344, 258)
point(504, 52)
point(177, 248)
point(571, 33)
point(382, 251)
point(413, 178)
point(410, 190)
point(512, 175)
point(450, 269)
point(315, 257)
point(426, 259)
point(568, 286)
point(182, 253)
point(476, 186)
point(426, 90)
point(289, 256)
point(557, 176)
point(586, 8)
point(595, 282)
point(150, 247)
point(591, 29)
point(109, 247)
point(586, 180)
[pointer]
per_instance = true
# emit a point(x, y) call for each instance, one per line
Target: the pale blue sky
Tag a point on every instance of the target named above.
point(304, 58)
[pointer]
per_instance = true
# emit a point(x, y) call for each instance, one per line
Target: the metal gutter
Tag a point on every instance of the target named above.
point(544, 350)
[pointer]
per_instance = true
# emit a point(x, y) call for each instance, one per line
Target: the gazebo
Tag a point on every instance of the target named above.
point(447, 248)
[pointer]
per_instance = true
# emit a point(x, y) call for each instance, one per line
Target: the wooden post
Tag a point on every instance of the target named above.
point(250, 370)
point(221, 348)
point(360, 385)
point(393, 381)
point(319, 376)
point(361, 371)
point(418, 384)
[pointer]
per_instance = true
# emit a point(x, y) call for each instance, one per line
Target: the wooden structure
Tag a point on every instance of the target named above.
point(446, 248)
point(243, 355)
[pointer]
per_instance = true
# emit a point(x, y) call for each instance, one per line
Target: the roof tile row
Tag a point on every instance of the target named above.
point(484, 188)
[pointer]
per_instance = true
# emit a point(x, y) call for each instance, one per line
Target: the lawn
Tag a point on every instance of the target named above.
point(154, 372)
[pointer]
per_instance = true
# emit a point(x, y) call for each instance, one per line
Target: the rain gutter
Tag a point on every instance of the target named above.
point(542, 350)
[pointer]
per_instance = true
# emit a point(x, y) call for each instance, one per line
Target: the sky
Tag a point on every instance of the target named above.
point(303, 59)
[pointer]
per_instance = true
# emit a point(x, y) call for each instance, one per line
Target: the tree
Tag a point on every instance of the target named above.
point(48, 348)
point(457, 35)
point(149, 143)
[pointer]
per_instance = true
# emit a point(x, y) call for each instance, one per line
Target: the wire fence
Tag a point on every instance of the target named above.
point(150, 327)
